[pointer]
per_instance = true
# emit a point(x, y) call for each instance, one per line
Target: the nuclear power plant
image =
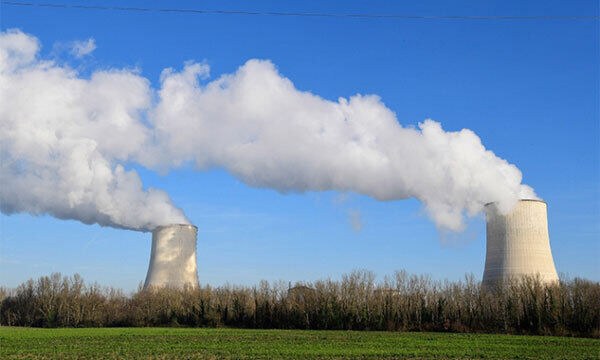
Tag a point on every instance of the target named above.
point(518, 244)
point(173, 257)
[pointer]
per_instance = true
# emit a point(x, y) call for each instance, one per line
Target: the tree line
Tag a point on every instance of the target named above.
point(401, 302)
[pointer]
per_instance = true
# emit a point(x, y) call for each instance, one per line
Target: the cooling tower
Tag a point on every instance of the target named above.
point(518, 244)
point(173, 257)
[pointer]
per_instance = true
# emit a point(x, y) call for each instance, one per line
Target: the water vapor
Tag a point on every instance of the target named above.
point(65, 140)
point(80, 49)
point(355, 219)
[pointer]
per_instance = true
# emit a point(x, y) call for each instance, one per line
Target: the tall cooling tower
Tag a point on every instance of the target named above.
point(518, 243)
point(173, 257)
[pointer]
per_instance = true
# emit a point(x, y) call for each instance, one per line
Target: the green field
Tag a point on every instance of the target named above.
point(161, 343)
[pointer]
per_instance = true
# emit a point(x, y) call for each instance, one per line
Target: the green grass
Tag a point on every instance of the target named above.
point(161, 343)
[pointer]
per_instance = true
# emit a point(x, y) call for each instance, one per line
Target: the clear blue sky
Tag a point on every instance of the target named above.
point(528, 89)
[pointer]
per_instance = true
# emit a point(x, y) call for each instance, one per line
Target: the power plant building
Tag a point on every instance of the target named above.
point(173, 257)
point(518, 244)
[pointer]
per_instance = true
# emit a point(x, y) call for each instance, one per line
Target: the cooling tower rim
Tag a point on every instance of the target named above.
point(160, 227)
point(534, 200)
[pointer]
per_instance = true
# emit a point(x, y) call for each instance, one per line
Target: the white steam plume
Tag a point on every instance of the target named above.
point(64, 138)
point(80, 49)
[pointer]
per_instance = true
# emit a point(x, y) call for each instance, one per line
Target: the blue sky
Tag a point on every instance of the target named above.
point(528, 89)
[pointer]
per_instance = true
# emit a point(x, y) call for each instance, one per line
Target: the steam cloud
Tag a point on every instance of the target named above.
point(80, 49)
point(65, 139)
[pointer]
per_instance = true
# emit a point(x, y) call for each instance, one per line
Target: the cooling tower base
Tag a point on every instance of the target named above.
point(173, 257)
point(518, 244)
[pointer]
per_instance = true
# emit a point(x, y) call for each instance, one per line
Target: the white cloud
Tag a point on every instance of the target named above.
point(82, 48)
point(262, 129)
point(65, 139)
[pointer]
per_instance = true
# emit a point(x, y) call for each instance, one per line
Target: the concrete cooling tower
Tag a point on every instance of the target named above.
point(518, 243)
point(173, 257)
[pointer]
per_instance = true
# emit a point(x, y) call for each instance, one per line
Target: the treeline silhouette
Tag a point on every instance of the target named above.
point(401, 302)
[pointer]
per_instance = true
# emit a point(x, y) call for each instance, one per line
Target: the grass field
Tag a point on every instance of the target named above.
point(161, 343)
